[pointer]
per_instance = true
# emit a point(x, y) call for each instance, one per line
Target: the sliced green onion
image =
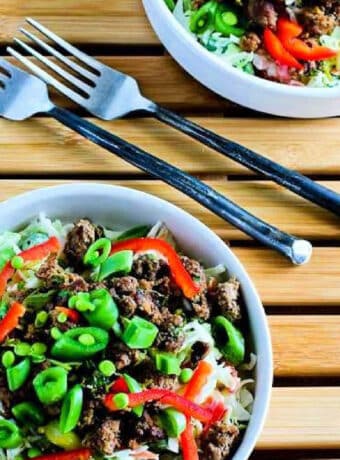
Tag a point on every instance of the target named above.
point(33, 452)
point(185, 375)
point(121, 400)
point(28, 412)
point(40, 319)
point(10, 436)
point(38, 348)
point(98, 252)
point(22, 349)
point(173, 422)
point(230, 18)
point(139, 333)
point(107, 368)
point(120, 262)
point(62, 318)
point(86, 339)
point(18, 374)
point(8, 359)
point(17, 262)
point(168, 363)
point(56, 334)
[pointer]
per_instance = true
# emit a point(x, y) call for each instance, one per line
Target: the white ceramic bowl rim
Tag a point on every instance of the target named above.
point(63, 200)
point(319, 93)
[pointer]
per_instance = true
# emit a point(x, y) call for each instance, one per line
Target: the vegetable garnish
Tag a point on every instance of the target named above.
point(35, 253)
point(118, 325)
point(179, 273)
point(278, 52)
point(11, 320)
point(77, 454)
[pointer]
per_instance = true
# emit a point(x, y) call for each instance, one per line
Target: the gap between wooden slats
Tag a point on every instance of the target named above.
point(279, 282)
point(43, 146)
point(112, 22)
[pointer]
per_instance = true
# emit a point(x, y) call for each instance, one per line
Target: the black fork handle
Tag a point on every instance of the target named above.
point(298, 251)
point(292, 180)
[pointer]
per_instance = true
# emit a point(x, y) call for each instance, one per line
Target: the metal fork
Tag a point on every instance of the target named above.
point(110, 94)
point(23, 95)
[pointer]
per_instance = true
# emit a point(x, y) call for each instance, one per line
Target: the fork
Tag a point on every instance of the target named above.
point(109, 94)
point(23, 95)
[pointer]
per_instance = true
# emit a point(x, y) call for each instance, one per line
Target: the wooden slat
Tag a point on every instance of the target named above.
point(278, 281)
point(42, 146)
point(162, 80)
point(79, 21)
point(305, 346)
point(303, 418)
point(267, 201)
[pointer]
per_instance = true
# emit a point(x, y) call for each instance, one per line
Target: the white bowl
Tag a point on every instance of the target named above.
point(124, 207)
point(240, 87)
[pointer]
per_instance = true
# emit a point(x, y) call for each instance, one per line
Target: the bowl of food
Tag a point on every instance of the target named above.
point(277, 56)
point(124, 334)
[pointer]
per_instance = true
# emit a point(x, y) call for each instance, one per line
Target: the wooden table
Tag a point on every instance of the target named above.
point(303, 303)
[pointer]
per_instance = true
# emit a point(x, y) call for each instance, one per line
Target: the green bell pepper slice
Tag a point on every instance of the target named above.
point(18, 374)
point(168, 363)
point(139, 333)
point(69, 348)
point(173, 422)
point(28, 412)
point(203, 18)
point(50, 385)
point(229, 340)
point(120, 262)
point(98, 252)
point(10, 437)
point(71, 409)
point(134, 387)
point(226, 21)
point(105, 313)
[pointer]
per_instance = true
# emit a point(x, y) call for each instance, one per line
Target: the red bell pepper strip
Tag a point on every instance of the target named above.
point(188, 443)
point(179, 273)
point(11, 320)
point(288, 31)
point(217, 409)
point(78, 454)
point(167, 397)
point(198, 380)
point(35, 253)
point(277, 51)
point(119, 386)
point(71, 314)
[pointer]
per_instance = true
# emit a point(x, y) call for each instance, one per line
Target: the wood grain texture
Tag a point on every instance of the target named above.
point(42, 146)
point(277, 280)
point(301, 418)
point(109, 22)
point(305, 346)
point(267, 201)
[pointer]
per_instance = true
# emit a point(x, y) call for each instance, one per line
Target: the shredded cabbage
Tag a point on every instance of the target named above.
point(43, 224)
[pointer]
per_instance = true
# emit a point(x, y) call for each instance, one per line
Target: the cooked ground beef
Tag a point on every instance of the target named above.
point(149, 268)
point(50, 272)
point(227, 299)
point(122, 355)
point(316, 21)
point(262, 13)
point(105, 439)
point(196, 270)
point(75, 283)
point(250, 42)
point(79, 239)
point(198, 351)
point(170, 340)
point(145, 431)
point(217, 443)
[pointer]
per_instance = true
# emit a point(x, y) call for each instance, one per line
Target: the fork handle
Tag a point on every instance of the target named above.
point(298, 251)
point(292, 180)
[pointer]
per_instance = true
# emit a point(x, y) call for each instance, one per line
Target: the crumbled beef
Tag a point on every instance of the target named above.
point(122, 355)
point(262, 13)
point(218, 441)
point(125, 285)
point(149, 268)
point(316, 21)
point(5, 397)
point(170, 340)
point(75, 283)
point(201, 307)
point(227, 299)
point(50, 272)
point(195, 269)
point(53, 322)
point(250, 42)
point(145, 431)
point(105, 439)
point(167, 382)
point(127, 306)
point(79, 239)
